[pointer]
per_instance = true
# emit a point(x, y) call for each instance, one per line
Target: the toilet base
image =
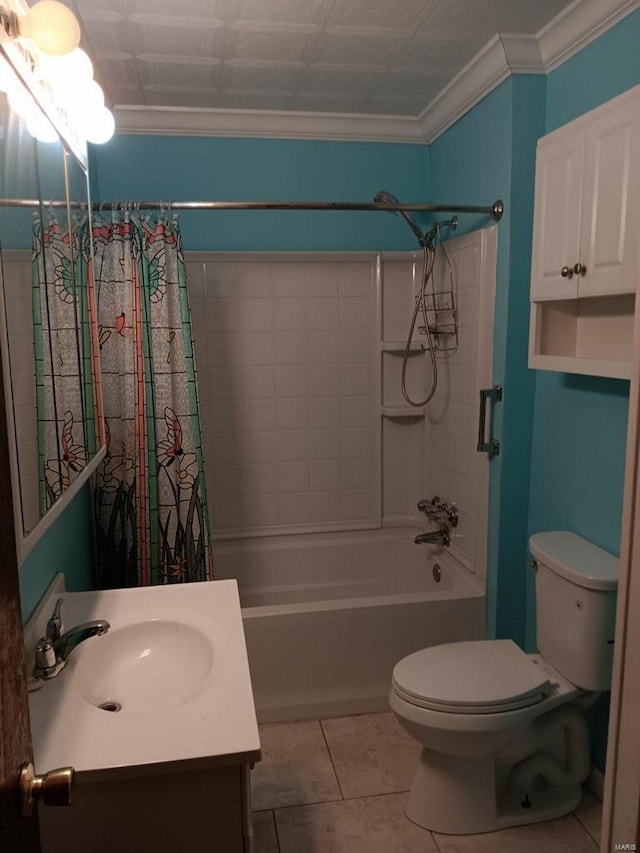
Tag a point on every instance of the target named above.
point(459, 796)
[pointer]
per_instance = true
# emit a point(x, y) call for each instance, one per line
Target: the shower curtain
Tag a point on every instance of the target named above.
point(65, 357)
point(151, 512)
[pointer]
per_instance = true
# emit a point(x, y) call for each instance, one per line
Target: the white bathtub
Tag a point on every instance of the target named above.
point(327, 616)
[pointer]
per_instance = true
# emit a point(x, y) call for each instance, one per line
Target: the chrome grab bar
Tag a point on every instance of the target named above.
point(492, 446)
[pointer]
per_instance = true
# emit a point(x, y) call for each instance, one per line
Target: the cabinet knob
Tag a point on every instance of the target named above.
point(580, 269)
point(566, 272)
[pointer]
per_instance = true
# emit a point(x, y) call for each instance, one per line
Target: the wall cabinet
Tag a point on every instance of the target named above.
point(585, 242)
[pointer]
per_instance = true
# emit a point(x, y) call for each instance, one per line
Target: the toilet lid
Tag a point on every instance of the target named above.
point(481, 677)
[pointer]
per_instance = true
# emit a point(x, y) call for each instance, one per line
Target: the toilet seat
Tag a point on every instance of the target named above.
point(480, 677)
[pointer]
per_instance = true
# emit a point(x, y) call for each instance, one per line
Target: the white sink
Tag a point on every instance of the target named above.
point(168, 682)
point(144, 667)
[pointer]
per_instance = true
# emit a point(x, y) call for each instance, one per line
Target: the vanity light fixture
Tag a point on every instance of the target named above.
point(52, 27)
point(41, 43)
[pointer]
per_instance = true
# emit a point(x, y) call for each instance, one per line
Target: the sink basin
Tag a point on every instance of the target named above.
point(173, 670)
point(148, 666)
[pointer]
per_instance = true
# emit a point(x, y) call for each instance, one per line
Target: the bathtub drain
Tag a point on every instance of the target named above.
point(110, 706)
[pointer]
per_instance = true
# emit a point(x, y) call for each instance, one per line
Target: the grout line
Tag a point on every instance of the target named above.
point(335, 772)
point(275, 827)
point(585, 829)
point(435, 840)
point(379, 794)
point(347, 800)
point(299, 805)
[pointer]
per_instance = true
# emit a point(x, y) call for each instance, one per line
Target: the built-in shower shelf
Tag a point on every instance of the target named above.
point(398, 347)
point(403, 411)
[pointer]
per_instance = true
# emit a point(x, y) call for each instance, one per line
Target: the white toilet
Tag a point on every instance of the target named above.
point(504, 736)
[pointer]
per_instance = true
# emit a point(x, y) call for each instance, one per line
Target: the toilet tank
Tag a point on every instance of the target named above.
point(576, 587)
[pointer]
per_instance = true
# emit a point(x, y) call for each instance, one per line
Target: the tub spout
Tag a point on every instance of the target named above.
point(435, 537)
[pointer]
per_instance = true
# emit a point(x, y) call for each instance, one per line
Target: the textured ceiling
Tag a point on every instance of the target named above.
point(386, 57)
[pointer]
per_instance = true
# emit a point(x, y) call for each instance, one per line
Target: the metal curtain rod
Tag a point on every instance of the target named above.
point(495, 210)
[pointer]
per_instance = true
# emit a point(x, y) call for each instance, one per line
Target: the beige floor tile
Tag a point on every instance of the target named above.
point(371, 753)
point(565, 835)
point(295, 767)
point(265, 839)
point(589, 813)
point(368, 825)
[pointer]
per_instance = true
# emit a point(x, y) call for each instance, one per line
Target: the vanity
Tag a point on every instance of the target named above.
point(157, 718)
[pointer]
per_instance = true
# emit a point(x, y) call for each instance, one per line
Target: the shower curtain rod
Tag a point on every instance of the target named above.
point(495, 210)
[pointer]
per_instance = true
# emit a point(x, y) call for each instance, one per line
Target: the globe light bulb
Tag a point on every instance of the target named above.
point(68, 70)
point(77, 101)
point(40, 127)
point(99, 126)
point(20, 100)
point(52, 27)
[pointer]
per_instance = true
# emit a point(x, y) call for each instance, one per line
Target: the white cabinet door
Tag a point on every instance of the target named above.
point(611, 200)
point(556, 223)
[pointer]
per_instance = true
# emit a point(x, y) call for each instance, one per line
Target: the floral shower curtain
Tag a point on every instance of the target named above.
point(152, 524)
point(65, 355)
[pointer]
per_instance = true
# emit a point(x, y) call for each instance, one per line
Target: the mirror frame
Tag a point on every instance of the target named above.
point(74, 147)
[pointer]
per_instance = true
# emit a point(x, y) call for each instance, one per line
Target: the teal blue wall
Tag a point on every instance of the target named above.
point(604, 69)
point(579, 438)
point(490, 152)
point(580, 429)
point(191, 168)
point(67, 547)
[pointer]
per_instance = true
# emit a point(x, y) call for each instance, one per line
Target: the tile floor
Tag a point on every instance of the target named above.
point(339, 786)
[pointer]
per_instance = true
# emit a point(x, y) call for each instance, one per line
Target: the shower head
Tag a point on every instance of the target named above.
point(384, 197)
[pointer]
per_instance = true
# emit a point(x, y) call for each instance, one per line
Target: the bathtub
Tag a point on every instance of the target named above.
point(327, 616)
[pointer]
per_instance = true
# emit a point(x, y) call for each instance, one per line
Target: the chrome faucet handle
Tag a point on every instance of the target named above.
point(45, 658)
point(51, 656)
point(439, 510)
point(54, 624)
point(429, 505)
point(451, 511)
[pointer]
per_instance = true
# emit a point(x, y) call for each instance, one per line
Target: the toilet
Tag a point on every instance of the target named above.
point(503, 733)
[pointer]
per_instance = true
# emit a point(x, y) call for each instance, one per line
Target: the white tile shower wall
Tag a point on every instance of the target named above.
point(19, 318)
point(284, 349)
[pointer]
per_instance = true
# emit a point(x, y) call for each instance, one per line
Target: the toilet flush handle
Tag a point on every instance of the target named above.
point(532, 564)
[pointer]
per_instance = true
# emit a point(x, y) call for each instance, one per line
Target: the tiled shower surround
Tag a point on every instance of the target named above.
point(304, 425)
point(285, 364)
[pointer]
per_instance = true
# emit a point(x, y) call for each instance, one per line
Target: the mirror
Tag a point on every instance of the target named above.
point(47, 325)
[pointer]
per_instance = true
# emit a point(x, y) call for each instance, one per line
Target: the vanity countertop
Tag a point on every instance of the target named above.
point(179, 650)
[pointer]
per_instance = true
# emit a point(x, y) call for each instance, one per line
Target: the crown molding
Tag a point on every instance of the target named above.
point(577, 26)
point(482, 75)
point(511, 53)
point(522, 53)
point(179, 121)
point(505, 54)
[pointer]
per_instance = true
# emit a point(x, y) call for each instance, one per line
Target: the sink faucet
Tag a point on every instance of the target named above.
point(435, 537)
point(52, 651)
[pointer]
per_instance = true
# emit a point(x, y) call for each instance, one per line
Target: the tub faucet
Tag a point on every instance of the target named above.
point(437, 510)
point(435, 537)
point(52, 651)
